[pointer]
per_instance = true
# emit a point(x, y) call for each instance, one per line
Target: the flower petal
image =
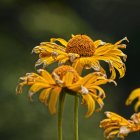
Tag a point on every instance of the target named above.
point(137, 105)
point(98, 43)
point(38, 86)
point(53, 99)
point(62, 41)
point(114, 116)
point(68, 78)
point(133, 95)
point(77, 65)
point(46, 76)
point(43, 97)
point(87, 100)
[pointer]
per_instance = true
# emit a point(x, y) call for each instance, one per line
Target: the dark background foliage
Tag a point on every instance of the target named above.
point(24, 24)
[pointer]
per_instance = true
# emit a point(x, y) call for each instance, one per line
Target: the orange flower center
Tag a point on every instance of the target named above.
point(62, 70)
point(82, 45)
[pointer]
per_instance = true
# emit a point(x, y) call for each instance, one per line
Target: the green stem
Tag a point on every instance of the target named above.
point(76, 105)
point(60, 112)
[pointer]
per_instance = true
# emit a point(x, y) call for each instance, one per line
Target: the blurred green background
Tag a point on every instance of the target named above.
point(24, 24)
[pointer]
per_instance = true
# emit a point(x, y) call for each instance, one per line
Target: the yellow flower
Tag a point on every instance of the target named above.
point(115, 125)
point(133, 95)
point(50, 84)
point(82, 52)
point(65, 78)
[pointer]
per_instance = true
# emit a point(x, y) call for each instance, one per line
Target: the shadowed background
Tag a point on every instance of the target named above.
point(24, 24)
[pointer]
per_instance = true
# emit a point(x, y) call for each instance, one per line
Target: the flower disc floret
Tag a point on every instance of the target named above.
point(62, 70)
point(81, 44)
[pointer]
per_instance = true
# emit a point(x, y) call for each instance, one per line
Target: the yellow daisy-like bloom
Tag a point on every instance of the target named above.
point(82, 52)
point(65, 78)
point(117, 126)
point(133, 95)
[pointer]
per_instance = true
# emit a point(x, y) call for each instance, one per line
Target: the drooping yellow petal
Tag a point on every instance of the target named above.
point(47, 49)
point(77, 65)
point(114, 116)
point(45, 61)
point(68, 78)
point(133, 95)
point(87, 78)
point(104, 49)
point(87, 63)
point(20, 87)
point(117, 52)
point(98, 43)
point(92, 78)
point(46, 76)
point(62, 41)
point(121, 69)
point(103, 81)
point(54, 46)
point(29, 79)
point(120, 41)
point(43, 97)
point(63, 61)
point(53, 99)
point(101, 93)
point(119, 66)
point(97, 67)
point(136, 118)
point(109, 129)
point(106, 123)
point(62, 57)
point(98, 100)
point(75, 87)
point(113, 72)
point(112, 134)
point(107, 58)
point(87, 100)
point(137, 105)
point(38, 86)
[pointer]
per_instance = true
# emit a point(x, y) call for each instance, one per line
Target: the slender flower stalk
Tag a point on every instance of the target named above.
point(76, 106)
point(60, 114)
